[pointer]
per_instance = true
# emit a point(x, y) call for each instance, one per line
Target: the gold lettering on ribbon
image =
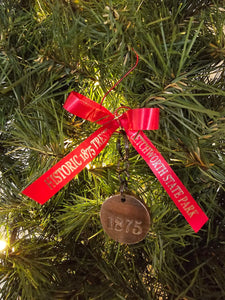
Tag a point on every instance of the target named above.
point(63, 172)
point(99, 140)
point(189, 209)
point(73, 163)
point(168, 179)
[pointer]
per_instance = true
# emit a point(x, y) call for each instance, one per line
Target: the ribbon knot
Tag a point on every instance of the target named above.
point(133, 121)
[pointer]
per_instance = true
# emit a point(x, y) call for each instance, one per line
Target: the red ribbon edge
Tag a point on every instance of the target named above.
point(133, 121)
point(47, 185)
point(168, 179)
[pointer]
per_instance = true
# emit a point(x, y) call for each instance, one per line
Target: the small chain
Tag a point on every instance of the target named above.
point(123, 163)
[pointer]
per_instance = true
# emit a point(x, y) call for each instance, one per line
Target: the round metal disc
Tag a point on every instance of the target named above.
point(125, 218)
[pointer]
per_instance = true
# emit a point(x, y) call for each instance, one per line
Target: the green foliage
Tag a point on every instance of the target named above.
point(48, 49)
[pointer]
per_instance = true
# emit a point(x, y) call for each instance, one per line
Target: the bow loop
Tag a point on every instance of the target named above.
point(87, 109)
point(141, 119)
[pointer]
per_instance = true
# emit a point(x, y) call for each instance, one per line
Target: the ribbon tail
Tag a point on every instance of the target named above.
point(169, 180)
point(60, 174)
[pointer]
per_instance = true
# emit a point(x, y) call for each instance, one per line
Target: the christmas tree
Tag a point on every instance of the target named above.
point(59, 250)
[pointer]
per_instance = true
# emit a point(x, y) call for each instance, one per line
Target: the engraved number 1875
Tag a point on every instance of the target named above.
point(124, 224)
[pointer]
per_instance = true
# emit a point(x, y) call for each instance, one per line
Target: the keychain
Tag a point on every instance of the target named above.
point(124, 217)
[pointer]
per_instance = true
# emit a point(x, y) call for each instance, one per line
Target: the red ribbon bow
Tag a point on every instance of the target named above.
point(133, 121)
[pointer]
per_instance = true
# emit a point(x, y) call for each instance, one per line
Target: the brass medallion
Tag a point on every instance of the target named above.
point(125, 218)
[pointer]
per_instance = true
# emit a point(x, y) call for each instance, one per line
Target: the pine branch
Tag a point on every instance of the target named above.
point(48, 49)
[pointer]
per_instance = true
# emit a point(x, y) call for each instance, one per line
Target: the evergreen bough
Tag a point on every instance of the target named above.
point(50, 48)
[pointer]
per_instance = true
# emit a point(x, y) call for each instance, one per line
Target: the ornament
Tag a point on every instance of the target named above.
point(125, 218)
point(133, 121)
